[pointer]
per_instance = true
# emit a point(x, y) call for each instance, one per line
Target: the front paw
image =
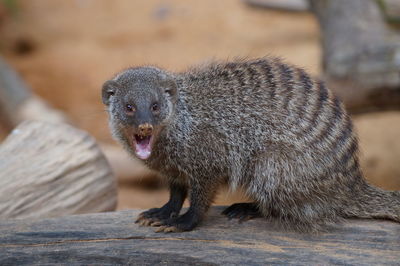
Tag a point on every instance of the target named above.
point(180, 224)
point(154, 217)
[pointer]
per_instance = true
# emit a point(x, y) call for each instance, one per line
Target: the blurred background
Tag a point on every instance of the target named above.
point(65, 49)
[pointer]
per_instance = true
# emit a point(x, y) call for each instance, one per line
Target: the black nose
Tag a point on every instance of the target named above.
point(145, 129)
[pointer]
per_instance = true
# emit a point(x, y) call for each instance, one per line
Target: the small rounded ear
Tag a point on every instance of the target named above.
point(170, 88)
point(109, 89)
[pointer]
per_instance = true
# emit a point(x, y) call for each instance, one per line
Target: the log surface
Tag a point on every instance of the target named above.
point(113, 238)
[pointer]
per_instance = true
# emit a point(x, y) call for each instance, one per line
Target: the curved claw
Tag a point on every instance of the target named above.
point(167, 229)
point(146, 221)
point(156, 223)
point(150, 217)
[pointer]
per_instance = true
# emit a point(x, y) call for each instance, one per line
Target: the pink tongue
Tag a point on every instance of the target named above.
point(143, 149)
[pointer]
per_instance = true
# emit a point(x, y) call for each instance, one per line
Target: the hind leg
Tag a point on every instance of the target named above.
point(285, 188)
point(243, 211)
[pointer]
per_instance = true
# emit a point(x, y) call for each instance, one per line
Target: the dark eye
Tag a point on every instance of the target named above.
point(155, 107)
point(129, 108)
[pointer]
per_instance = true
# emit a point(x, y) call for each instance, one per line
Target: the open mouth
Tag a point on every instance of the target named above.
point(142, 145)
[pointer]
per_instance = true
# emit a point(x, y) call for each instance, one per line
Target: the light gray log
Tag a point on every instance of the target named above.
point(18, 103)
point(113, 238)
point(13, 91)
point(49, 170)
point(361, 55)
point(286, 5)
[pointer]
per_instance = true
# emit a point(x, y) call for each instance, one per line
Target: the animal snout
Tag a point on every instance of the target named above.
point(145, 129)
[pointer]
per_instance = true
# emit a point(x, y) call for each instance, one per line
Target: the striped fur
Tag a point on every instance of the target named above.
point(265, 126)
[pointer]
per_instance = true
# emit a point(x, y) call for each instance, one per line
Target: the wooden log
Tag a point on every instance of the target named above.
point(113, 238)
point(51, 170)
point(18, 103)
point(360, 54)
point(13, 91)
point(285, 5)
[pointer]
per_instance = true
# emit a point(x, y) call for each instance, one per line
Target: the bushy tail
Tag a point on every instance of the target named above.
point(373, 202)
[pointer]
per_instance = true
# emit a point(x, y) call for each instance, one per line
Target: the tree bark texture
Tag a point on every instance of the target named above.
point(114, 239)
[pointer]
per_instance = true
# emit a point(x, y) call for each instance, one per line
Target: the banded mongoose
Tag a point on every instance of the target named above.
point(262, 125)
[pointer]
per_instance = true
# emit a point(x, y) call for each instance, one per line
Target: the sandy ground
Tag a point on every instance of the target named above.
point(66, 49)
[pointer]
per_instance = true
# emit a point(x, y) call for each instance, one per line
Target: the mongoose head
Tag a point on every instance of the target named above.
point(140, 101)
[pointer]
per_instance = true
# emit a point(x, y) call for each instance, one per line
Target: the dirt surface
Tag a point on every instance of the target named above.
point(66, 49)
